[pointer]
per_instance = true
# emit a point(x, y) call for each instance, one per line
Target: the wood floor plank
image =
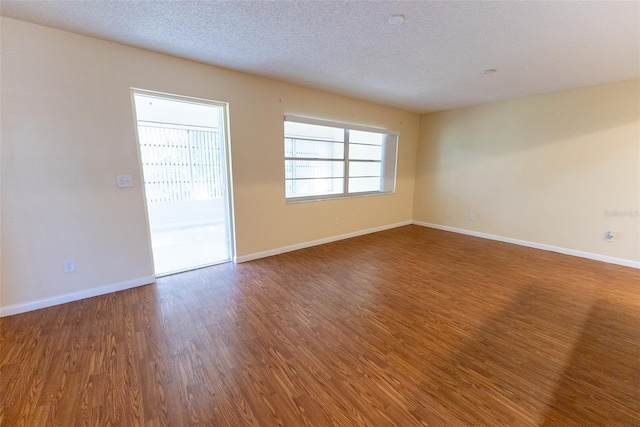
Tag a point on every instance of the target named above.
point(406, 327)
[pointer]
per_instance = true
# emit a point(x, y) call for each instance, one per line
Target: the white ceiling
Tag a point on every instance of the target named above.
point(430, 62)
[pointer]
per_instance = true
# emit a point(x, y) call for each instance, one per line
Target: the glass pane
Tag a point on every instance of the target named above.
point(313, 169)
point(150, 108)
point(366, 137)
point(165, 163)
point(313, 149)
point(314, 187)
point(364, 169)
point(360, 185)
point(365, 152)
point(303, 130)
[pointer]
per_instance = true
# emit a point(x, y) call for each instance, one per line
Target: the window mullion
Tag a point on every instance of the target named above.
point(346, 162)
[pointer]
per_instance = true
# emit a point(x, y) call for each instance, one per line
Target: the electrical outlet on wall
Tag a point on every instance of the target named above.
point(610, 236)
point(337, 220)
point(69, 265)
point(472, 216)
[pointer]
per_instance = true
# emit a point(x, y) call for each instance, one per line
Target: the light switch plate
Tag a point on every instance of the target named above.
point(124, 181)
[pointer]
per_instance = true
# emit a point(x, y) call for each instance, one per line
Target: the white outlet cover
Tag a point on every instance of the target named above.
point(610, 236)
point(124, 181)
point(69, 265)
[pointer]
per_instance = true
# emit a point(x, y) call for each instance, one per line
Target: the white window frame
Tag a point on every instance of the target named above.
point(388, 162)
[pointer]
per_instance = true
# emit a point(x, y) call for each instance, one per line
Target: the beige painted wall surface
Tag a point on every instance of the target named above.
point(68, 130)
point(543, 169)
point(0, 168)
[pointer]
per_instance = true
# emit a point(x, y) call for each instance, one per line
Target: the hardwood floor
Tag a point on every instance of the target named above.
point(405, 327)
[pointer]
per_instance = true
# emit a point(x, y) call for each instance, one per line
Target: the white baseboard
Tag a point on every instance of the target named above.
point(114, 287)
point(278, 251)
point(544, 247)
point(74, 296)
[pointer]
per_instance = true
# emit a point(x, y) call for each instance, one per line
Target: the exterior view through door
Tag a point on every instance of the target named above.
point(183, 150)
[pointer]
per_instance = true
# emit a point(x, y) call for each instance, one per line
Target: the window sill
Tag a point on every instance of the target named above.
point(293, 201)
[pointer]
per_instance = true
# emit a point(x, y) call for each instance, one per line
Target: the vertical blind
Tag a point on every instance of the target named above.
point(181, 163)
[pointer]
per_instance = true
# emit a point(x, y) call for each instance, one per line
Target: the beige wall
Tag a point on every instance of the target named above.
point(542, 169)
point(68, 130)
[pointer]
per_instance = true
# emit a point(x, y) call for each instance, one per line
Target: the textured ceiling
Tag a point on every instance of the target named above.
point(430, 62)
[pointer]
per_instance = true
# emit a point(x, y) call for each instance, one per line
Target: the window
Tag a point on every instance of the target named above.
point(326, 160)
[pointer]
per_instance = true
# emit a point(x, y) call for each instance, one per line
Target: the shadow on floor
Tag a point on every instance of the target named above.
point(600, 384)
point(546, 359)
